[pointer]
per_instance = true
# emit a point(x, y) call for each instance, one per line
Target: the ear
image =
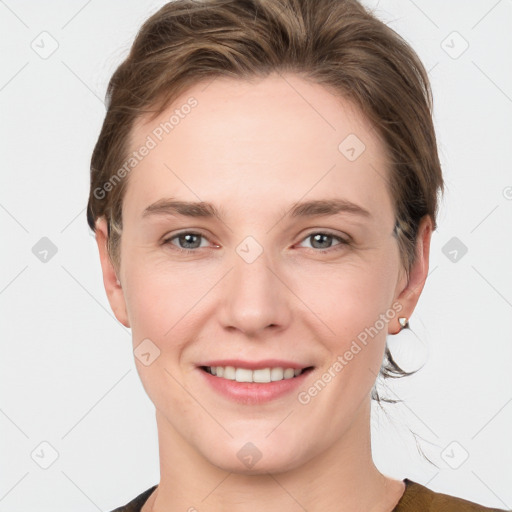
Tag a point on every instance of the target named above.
point(112, 286)
point(409, 290)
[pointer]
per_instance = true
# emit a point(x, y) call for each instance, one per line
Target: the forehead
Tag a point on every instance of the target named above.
point(275, 137)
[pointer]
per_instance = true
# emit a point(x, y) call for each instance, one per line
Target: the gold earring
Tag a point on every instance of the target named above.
point(404, 322)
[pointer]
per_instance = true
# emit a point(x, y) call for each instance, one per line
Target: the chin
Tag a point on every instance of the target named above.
point(258, 458)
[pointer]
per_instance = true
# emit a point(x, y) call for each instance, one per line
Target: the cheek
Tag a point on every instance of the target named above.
point(161, 309)
point(162, 301)
point(359, 313)
point(354, 306)
point(348, 297)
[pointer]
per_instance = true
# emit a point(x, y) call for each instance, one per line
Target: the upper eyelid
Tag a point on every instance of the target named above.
point(345, 239)
point(342, 240)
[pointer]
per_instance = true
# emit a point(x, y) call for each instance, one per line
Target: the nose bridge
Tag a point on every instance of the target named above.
point(254, 297)
point(253, 276)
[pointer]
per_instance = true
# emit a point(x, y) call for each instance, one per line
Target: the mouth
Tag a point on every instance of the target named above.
point(259, 376)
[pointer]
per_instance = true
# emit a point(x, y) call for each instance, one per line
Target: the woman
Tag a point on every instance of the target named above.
point(263, 193)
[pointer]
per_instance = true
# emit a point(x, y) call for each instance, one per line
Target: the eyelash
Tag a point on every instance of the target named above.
point(342, 241)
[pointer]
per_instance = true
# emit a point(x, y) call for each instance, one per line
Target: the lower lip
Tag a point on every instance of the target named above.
point(254, 393)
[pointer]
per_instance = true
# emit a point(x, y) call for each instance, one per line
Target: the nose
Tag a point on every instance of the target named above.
point(255, 297)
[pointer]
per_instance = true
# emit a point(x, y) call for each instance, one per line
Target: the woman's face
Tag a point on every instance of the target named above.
point(263, 278)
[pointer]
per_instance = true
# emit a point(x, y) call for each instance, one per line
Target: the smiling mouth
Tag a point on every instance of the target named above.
point(263, 375)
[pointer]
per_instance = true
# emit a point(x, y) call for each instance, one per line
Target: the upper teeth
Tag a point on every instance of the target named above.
point(246, 375)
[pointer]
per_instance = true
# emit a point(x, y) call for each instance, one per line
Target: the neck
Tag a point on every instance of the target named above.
point(342, 478)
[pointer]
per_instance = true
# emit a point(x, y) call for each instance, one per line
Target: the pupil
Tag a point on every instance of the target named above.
point(186, 238)
point(320, 235)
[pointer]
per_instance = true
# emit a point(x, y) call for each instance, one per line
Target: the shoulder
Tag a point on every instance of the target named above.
point(136, 503)
point(418, 498)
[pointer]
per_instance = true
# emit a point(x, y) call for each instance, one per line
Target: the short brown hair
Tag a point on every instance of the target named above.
point(336, 43)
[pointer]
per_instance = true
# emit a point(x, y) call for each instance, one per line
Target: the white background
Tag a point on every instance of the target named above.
point(67, 369)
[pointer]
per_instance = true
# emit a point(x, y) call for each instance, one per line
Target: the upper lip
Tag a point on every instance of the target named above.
point(256, 365)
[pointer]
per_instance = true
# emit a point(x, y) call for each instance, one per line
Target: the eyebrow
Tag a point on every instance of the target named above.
point(201, 209)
